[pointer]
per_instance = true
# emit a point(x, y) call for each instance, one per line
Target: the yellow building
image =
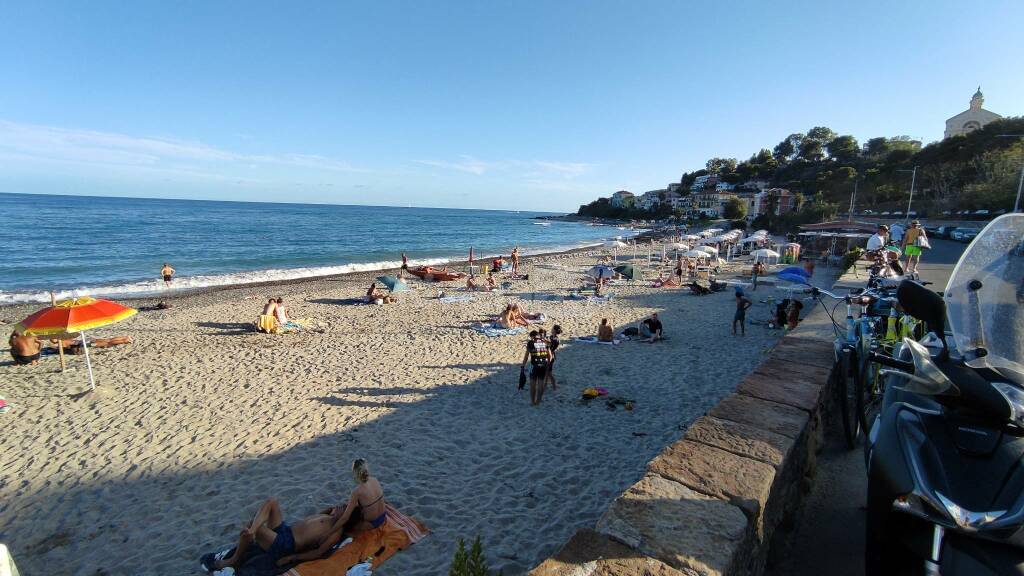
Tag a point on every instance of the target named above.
point(973, 118)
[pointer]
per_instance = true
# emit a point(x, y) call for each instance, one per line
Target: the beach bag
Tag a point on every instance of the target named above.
point(922, 241)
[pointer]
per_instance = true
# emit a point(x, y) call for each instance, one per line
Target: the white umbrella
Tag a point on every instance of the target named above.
point(677, 246)
point(690, 237)
point(764, 253)
point(697, 254)
point(710, 250)
point(614, 244)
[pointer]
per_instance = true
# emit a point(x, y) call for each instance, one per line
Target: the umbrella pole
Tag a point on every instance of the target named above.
point(60, 341)
point(88, 363)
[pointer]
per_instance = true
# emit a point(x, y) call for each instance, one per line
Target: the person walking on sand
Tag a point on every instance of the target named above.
point(553, 343)
point(539, 357)
point(167, 272)
point(405, 266)
point(742, 303)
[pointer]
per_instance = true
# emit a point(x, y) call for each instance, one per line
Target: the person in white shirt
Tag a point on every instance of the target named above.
point(878, 239)
point(896, 233)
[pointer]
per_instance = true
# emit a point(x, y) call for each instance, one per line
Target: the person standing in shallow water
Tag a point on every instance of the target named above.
point(167, 272)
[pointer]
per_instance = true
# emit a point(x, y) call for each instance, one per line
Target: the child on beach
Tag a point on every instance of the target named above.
point(742, 303)
point(553, 343)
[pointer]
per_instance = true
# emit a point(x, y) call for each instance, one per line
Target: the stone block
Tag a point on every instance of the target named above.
point(590, 553)
point(764, 414)
point(787, 391)
point(742, 439)
point(743, 482)
point(691, 532)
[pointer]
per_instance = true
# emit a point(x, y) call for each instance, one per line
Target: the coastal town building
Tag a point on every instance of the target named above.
point(702, 182)
point(622, 199)
point(777, 201)
point(651, 200)
point(971, 119)
point(675, 188)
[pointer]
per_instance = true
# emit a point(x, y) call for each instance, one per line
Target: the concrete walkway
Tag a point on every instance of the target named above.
point(829, 536)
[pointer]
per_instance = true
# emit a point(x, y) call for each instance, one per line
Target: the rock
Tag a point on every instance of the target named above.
point(744, 482)
point(685, 529)
point(787, 391)
point(589, 553)
point(763, 414)
point(742, 439)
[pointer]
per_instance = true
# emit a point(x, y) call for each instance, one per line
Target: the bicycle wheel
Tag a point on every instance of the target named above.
point(847, 390)
point(869, 392)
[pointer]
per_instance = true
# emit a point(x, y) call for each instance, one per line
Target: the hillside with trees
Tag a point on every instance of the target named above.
point(976, 171)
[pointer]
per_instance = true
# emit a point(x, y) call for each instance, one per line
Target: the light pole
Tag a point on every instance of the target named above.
point(853, 198)
point(913, 179)
point(1020, 183)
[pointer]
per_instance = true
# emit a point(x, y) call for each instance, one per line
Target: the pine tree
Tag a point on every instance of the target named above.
point(477, 564)
point(459, 563)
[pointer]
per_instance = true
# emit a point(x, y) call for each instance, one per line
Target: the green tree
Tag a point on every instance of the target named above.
point(820, 134)
point(721, 165)
point(843, 149)
point(786, 150)
point(811, 150)
point(735, 209)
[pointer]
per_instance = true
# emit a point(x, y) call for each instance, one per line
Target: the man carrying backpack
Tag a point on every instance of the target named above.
point(539, 356)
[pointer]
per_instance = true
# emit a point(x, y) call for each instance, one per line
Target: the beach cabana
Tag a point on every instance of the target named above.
point(709, 250)
point(73, 317)
point(765, 255)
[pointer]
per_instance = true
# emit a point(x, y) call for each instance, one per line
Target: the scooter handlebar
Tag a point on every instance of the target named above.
point(891, 362)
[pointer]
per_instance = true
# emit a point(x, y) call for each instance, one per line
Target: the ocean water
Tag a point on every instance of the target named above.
point(115, 247)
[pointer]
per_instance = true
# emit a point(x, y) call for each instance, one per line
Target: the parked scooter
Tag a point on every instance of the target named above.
point(946, 453)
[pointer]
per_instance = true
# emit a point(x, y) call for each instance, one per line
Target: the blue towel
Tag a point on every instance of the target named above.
point(492, 332)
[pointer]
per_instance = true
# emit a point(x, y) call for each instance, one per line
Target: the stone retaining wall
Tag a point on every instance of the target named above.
point(710, 503)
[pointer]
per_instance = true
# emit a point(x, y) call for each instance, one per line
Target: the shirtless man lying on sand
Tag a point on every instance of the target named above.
point(313, 536)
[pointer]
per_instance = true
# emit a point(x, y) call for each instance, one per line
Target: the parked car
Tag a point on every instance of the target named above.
point(868, 212)
point(963, 234)
point(886, 213)
point(898, 213)
point(912, 213)
point(943, 231)
point(947, 212)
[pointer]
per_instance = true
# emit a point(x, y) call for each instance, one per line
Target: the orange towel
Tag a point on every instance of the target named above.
point(398, 533)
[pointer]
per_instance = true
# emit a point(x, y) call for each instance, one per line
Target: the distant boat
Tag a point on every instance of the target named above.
point(543, 223)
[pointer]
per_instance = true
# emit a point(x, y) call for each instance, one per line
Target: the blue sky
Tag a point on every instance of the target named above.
point(506, 104)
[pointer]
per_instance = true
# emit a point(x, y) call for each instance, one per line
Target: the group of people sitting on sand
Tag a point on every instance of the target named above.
point(649, 330)
point(489, 286)
point(276, 309)
point(312, 537)
point(375, 295)
point(513, 316)
point(26, 349)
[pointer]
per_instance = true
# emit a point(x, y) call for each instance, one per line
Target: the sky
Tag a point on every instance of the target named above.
point(522, 105)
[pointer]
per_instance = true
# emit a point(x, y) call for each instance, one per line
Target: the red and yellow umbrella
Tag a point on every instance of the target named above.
point(75, 316)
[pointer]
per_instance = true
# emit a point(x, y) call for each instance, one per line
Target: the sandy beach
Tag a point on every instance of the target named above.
point(201, 418)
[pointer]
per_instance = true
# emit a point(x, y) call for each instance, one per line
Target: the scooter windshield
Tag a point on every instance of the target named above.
point(985, 297)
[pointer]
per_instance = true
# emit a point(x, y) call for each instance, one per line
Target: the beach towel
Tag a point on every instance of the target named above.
point(397, 533)
point(266, 323)
point(594, 340)
point(496, 332)
point(454, 299)
point(599, 299)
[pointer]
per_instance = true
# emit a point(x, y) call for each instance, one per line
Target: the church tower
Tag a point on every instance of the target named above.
point(971, 119)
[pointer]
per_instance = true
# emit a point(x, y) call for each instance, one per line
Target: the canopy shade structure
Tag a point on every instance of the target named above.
point(615, 244)
point(393, 283)
point(697, 254)
point(677, 246)
point(710, 250)
point(764, 253)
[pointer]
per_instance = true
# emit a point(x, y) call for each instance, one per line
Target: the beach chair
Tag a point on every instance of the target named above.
point(267, 323)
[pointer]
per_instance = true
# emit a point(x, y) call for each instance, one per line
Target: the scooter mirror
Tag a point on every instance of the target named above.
point(927, 378)
point(923, 304)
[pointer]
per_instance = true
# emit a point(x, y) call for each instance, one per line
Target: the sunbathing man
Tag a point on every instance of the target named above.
point(471, 285)
point(605, 332)
point(373, 294)
point(24, 348)
point(167, 272)
point(313, 536)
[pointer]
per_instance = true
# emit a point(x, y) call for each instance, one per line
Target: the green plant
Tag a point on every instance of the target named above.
point(472, 563)
point(850, 257)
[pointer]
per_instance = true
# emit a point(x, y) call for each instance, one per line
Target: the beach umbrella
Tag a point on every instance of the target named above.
point(600, 271)
point(794, 278)
point(75, 316)
point(677, 246)
point(614, 244)
point(690, 237)
point(393, 283)
point(470, 254)
point(710, 250)
point(764, 253)
point(697, 254)
point(626, 270)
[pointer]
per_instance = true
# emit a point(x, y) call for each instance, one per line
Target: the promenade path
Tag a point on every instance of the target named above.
point(829, 536)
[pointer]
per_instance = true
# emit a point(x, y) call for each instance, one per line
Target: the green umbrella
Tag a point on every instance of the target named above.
point(393, 283)
point(626, 270)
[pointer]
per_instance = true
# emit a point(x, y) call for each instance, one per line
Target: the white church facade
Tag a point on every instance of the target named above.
point(972, 119)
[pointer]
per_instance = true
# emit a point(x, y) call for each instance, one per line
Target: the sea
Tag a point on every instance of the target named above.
point(114, 247)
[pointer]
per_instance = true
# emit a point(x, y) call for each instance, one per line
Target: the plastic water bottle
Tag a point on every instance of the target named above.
point(890, 326)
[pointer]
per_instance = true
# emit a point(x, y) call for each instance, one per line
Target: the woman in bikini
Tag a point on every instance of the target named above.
point(366, 508)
